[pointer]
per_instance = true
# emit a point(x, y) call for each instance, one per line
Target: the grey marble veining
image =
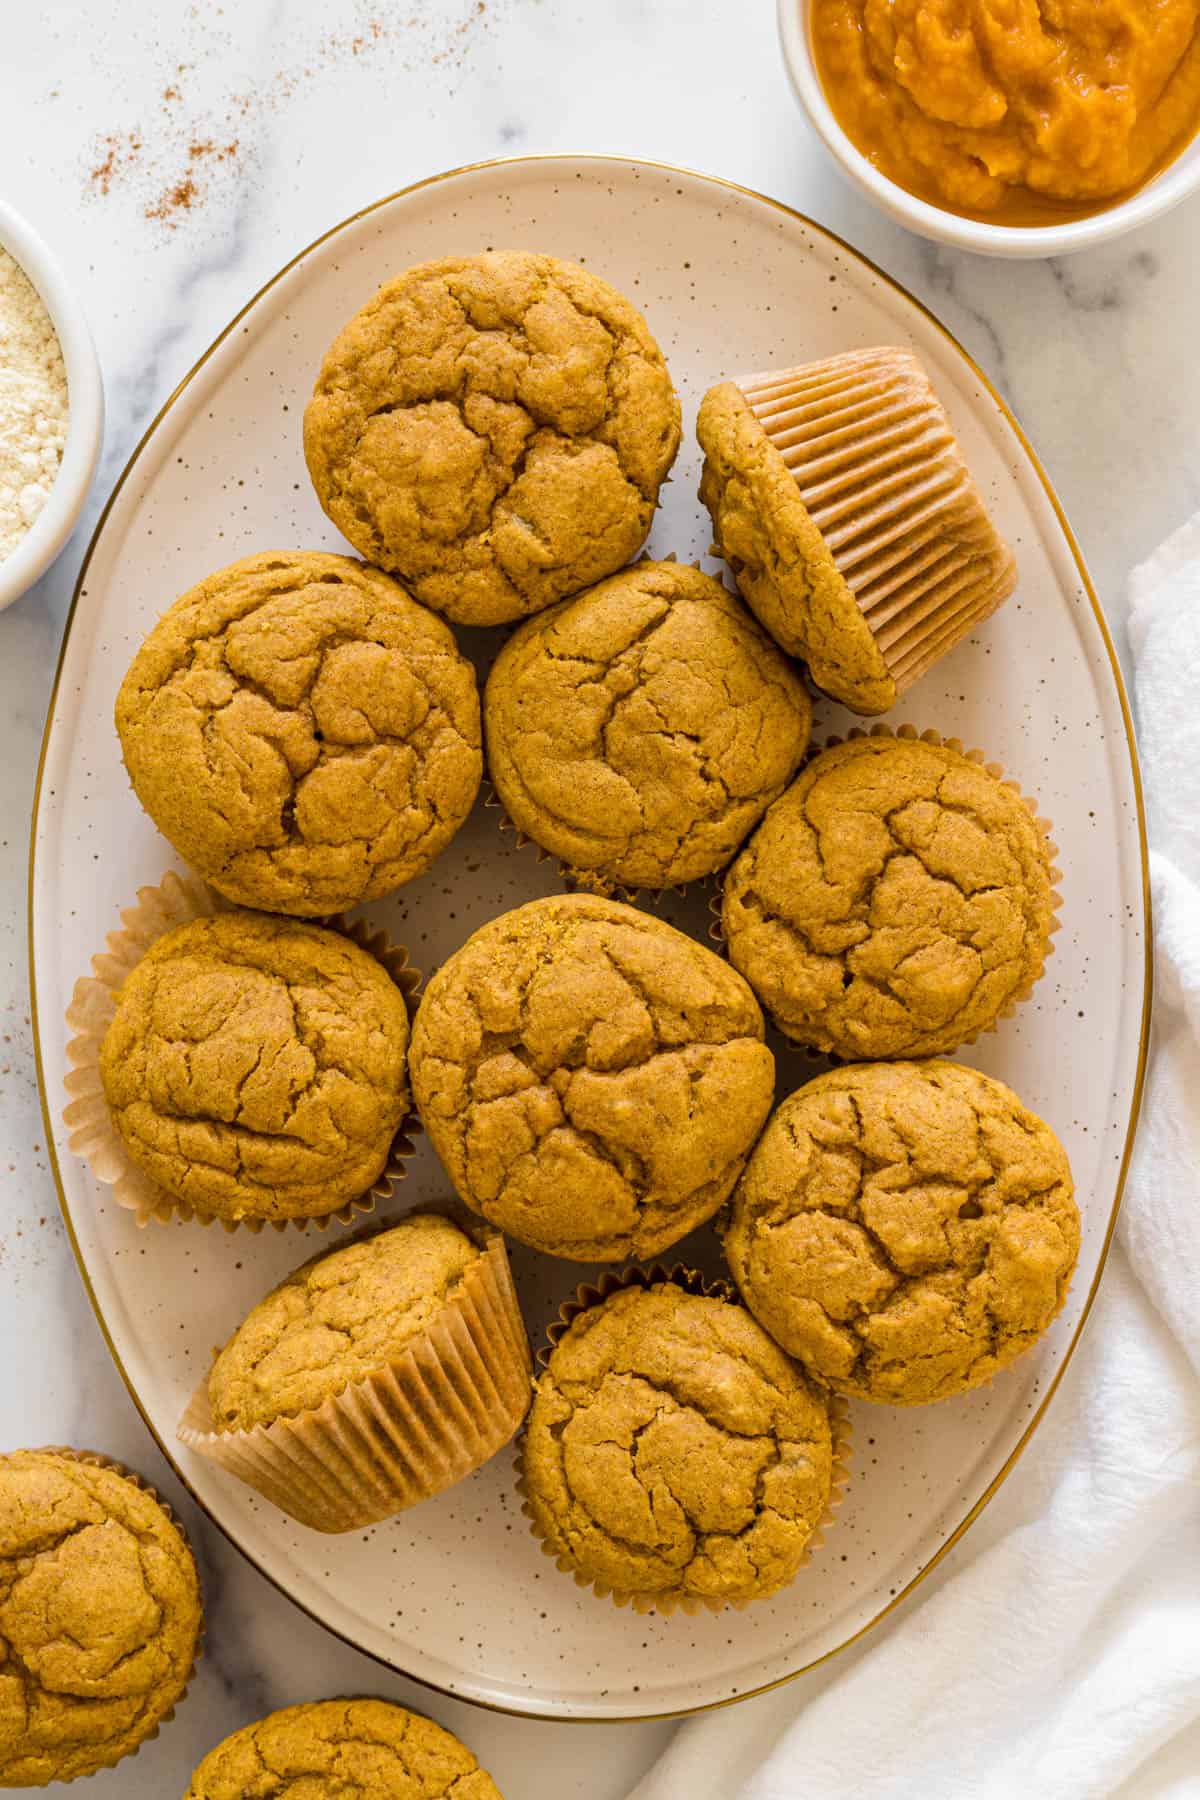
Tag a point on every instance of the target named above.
point(284, 118)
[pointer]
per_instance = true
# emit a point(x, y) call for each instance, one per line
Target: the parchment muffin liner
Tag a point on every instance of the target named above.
point(92, 1135)
point(882, 477)
point(585, 1297)
point(455, 1395)
point(910, 734)
point(97, 1460)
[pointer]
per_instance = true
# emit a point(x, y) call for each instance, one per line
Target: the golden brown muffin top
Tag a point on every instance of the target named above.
point(905, 1229)
point(358, 1749)
point(673, 1449)
point(339, 1318)
point(256, 1067)
point(302, 731)
point(591, 1078)
point(99, 1617)
point(894, 902)
point(495, 429)
point(782, 564)
point(641, 729)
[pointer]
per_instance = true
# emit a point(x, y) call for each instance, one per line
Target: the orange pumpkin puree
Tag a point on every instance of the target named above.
point(1013, 110)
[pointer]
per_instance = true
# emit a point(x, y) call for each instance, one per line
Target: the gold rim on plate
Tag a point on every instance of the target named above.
point(997, 1481)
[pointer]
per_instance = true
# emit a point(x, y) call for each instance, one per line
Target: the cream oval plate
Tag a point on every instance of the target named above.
point(456, 1592)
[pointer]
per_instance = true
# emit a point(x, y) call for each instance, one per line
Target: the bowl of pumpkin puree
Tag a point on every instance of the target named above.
point(1019, 127)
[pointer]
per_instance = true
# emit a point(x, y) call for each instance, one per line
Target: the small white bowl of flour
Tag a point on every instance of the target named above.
point(51, 407)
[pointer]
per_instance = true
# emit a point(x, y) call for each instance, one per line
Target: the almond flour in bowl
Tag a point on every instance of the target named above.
point(33, 405)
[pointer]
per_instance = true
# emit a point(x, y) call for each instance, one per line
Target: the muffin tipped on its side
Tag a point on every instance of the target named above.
point(374, 1377)
point(841, 501)
point(344, 1315)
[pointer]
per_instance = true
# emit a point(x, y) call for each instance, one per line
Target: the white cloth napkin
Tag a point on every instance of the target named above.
point(1056, 1655)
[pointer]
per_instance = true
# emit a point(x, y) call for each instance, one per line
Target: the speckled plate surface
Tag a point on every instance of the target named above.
point(456, 1592)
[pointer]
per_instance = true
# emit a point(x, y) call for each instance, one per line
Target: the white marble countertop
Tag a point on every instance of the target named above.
point(175, 156)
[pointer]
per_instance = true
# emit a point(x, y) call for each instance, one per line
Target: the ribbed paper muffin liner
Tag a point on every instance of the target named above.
point(455, 1396)
point(585, 1297)
point(878, 467)
point(92, 1135)
point(97, 1460)
point(910, 734)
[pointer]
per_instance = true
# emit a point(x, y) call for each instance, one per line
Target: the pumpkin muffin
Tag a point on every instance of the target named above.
point(904, 1229)
point(591, 1078)
point(841, 501)
point(364, 1749)
point(641, 729)
point(494, 429)
point(674, 1453)
point(303, 733)
point(100, 1616)
point(342, 1316)
point(374, 1377)
point(256, 1067)
point(895, 902)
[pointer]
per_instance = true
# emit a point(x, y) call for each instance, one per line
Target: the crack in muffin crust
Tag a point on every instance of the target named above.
point(303, 732)
point(591, 1078)
point(904, 1229)
point(673, 1449)
point(893, 902)
point(99, 1617)
point(356, 1749)
point(640, 730)
point(256, 1067)
point(495, 430)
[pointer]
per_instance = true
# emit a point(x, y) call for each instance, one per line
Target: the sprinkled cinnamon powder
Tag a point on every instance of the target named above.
point(175, 200)
point(201, 148)
point(119, 150)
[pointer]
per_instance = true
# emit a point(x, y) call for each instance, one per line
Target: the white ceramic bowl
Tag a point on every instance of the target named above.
point(85, 423)
point(1180, 178)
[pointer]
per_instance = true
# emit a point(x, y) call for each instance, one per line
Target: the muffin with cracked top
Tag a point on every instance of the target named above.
point(100, 1616)
point(256, 1068)
point(896, 901)
point(674, 1454)
point(366, 1748)
point(494, 429)
point(640, 730)
point(591, 1078)
point(905, 1229)
point(302, 731)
